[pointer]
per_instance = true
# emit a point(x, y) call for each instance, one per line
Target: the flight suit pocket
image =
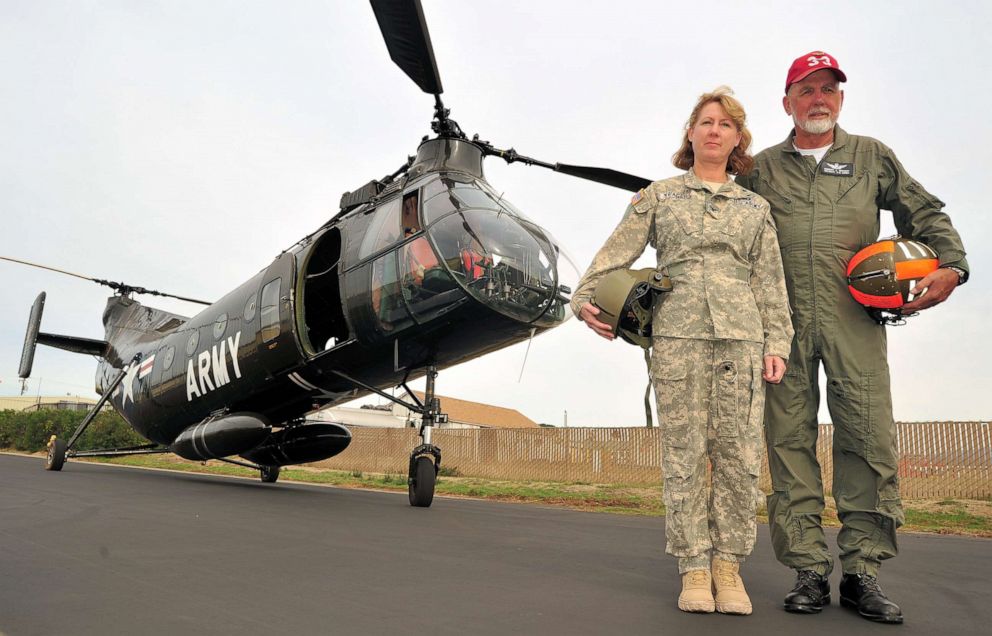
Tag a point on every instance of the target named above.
point(782, 210)
point(849, 404)
point(855, 217)
point(890, 504)
point(846, 188)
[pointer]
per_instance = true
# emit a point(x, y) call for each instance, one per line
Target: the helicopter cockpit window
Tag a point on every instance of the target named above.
point(474, 198)
point(409, 218)
point(427, 287)
point(438, 206)
point(433, 188)
point(270, 310)
point(503, 262)
point(387, 295)
point(384, 229)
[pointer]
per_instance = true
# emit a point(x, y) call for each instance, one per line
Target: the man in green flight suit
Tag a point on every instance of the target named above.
point(826, 188)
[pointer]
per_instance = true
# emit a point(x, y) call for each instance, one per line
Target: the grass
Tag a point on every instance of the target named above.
point(951, 516)
point(944, 516)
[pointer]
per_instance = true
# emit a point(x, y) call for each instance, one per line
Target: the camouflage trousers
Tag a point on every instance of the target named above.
point(710, 398)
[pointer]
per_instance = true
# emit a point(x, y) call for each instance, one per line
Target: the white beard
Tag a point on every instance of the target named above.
point(815, 127)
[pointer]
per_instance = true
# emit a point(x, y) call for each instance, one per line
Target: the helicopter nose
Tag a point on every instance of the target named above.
point(506, 262)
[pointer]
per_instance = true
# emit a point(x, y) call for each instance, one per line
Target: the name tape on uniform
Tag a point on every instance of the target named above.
point(837, 169)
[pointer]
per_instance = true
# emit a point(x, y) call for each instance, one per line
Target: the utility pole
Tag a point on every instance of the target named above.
point(566, 418)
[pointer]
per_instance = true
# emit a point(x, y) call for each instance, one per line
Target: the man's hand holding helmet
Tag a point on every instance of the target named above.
point(901, 276)
point(936, 287)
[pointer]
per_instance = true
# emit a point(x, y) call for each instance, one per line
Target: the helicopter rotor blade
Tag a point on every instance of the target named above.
point(119, 287)
point(404, 29)
point(605, 176)
point(51, 269)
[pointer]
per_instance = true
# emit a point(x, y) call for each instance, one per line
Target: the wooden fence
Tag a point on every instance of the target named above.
point(937, 459)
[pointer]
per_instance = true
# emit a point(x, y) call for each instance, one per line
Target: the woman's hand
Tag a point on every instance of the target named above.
point(587, 314)
point(774, 369)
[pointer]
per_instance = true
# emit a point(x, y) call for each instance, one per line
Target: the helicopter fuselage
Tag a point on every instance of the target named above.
point(435, 269)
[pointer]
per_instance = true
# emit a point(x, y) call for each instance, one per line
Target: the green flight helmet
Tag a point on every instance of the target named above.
point(625, 299)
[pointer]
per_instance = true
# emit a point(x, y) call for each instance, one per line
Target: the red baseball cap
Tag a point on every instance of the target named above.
point(810, 63)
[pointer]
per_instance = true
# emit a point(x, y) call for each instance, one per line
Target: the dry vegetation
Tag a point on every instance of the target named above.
point(940, 516)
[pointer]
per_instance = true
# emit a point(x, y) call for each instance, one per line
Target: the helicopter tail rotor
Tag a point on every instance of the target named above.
point(33, 337)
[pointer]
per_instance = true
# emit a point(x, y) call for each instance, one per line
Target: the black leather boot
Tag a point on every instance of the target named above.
point(861, 592)
point(810, 595)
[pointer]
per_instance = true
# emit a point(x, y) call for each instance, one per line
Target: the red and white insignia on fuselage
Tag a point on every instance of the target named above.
point(146, 367)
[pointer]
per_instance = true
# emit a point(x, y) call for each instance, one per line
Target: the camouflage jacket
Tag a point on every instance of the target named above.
point(721, 253)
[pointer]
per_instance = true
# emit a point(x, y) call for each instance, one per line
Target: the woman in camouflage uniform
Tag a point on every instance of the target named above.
point(720, 334)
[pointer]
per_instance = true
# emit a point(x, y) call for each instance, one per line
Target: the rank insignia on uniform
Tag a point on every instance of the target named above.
point(837, 169)
point(637, 197)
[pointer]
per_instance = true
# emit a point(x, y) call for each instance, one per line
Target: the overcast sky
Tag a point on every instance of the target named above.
point(182, 145)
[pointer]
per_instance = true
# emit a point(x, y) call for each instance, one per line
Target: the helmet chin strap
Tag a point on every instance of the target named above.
point(892, 318)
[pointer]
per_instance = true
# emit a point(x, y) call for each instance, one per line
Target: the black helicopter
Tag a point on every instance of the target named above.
point(423, 269)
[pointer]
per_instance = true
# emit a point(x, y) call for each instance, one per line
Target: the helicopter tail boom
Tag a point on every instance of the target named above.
point(34, 336)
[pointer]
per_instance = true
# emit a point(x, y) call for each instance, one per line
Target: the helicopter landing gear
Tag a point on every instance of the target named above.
point(425, 460)
point(269, 474)
point(58, 449)
point(423, 476)
point(56, 454)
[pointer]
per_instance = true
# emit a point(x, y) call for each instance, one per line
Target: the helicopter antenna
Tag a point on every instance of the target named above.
point(523, 364)
point(121, 288)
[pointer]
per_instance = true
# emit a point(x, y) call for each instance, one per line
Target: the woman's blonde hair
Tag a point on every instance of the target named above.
point(739, 161)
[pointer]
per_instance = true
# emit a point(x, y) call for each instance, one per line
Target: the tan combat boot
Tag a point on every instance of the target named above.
point(731, 597)
point(697, 592)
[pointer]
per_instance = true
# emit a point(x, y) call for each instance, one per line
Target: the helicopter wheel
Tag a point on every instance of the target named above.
point(56, 455)
point(270, 474)
point(422, 478)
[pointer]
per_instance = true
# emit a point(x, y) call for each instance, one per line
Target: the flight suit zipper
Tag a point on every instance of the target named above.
point(811, 199)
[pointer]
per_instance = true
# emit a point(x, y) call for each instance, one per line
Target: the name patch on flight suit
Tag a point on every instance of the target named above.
point(837, 169)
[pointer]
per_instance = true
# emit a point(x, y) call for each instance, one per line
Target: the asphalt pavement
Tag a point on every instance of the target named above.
point(100, 549)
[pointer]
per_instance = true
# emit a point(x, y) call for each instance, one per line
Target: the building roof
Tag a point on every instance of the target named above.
point(484, 415)
point(31, 402)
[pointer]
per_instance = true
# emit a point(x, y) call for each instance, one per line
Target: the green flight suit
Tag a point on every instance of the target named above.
point(824, 214)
